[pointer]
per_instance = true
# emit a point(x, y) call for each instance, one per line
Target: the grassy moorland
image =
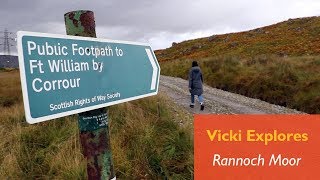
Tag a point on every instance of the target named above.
point(148, 141)
point(293, 82)
point(278, 63)
point(288, 81)
point(294, 37)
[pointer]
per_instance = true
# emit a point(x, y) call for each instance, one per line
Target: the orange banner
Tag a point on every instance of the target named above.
point(257, 147)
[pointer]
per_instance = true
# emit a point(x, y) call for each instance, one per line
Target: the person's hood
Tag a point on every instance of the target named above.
point(195, 69)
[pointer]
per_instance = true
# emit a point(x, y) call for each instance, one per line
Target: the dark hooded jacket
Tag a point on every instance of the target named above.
point(195, 81)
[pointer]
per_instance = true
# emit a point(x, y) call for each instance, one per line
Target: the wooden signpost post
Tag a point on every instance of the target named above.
point(93, 125)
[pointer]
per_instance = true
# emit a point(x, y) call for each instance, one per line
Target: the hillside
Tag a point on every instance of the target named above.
point(279, 64)
point(294, 37)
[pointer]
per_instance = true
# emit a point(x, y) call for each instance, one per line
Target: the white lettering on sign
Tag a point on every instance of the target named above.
point(93, 51)
point(38, 85)
point(63, 105)
point(47, 49)
point(67, 66)
point(36, 64)
point(64, 65)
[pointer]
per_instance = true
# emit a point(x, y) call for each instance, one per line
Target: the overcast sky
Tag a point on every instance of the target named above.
point(156, 22)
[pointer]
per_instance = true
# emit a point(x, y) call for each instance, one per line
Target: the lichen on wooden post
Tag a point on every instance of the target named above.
point(93, 125)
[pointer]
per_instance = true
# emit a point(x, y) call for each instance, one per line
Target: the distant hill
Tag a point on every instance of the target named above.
point(7, 61)
point(279, 63)
point(294, 37)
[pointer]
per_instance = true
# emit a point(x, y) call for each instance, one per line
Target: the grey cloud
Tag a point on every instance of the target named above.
point(157, 22)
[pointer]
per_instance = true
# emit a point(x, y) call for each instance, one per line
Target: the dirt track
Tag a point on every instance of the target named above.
point(218, 101)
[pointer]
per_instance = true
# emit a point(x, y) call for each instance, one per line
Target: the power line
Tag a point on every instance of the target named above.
point(7, 38)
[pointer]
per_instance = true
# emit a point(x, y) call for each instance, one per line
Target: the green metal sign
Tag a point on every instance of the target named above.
point(63, 75)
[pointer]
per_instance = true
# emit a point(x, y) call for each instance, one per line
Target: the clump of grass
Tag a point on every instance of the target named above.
point(150, 146)
point(288, 81)
point(47, 150)
point(10, 89)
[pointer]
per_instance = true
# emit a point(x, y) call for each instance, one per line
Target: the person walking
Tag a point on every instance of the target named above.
point(195, 84)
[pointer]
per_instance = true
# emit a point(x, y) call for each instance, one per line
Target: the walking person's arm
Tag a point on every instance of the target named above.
point(190, 80)
point(201, 78)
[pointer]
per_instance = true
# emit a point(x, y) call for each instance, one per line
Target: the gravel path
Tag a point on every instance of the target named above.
point(218, 101)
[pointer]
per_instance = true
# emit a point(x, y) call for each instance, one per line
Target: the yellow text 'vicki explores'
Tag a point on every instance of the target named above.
point(252, 135)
